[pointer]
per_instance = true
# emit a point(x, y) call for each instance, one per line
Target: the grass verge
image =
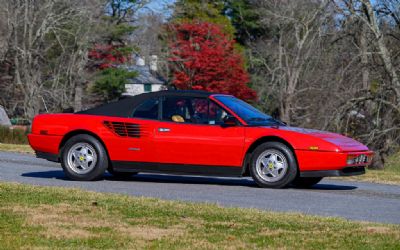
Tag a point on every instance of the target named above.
point(19, 148)
point(42, 217)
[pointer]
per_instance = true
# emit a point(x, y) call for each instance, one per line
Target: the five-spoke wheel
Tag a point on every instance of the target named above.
point(273, 165)
point(84, 158)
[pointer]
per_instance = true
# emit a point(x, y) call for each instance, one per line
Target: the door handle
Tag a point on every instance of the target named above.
point(164, 129)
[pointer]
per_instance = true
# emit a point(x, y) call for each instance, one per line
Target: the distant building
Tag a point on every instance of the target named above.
point(147, 80)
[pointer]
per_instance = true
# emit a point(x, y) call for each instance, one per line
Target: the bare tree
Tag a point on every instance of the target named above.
point(46, 42)
point(379, 101)
point(287, 54)
point(150, 37)
point(370, 20)
point(332, 65)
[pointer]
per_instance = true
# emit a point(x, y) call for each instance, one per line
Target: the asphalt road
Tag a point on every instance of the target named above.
point(351, 200)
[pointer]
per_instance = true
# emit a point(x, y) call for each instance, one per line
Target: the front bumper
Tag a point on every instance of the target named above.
point(309, 160)
point(347, 171)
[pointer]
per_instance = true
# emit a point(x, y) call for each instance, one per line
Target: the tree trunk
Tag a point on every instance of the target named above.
point(32, 106)
point(384, 52)
point(78, 98)
point(285, 109)
point(364, 58)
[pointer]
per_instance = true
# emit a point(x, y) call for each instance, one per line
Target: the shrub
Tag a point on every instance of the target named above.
point(13, 135)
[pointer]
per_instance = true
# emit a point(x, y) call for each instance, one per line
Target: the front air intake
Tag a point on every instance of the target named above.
point(124, 129)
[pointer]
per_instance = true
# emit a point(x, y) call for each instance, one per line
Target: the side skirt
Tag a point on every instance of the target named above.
point(124, 166)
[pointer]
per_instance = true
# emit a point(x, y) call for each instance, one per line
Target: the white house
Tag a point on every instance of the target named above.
point(147, 80)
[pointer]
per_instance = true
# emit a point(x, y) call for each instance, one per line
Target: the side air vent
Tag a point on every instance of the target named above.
point(124, 128)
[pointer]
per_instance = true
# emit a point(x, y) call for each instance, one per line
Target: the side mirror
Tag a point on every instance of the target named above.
point(230, 121)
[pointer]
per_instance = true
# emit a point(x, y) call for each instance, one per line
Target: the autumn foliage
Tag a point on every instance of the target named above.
point(105, 56)
point(110, 78)
point(204, 58)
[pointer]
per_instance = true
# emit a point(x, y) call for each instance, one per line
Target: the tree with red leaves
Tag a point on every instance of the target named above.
point(113, 48)
point(204, 58)
point(105, 56)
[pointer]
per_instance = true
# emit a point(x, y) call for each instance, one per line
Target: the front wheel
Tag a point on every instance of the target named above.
point(306, 182)
point(83, 158)
point(273, 165)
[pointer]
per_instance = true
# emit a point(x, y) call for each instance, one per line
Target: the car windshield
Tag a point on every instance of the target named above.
point(248, 113)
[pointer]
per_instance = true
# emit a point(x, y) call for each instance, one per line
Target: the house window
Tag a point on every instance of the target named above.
point(147, 88)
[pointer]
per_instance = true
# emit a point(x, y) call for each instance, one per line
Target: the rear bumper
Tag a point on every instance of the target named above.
point(45, 143)
point(348, 171)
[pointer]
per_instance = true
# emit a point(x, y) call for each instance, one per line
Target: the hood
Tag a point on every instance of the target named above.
point(342, 142)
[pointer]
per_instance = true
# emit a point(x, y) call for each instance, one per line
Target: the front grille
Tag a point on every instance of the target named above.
point(124, 129)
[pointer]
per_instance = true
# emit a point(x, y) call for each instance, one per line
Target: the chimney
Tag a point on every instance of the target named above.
point(153, 63)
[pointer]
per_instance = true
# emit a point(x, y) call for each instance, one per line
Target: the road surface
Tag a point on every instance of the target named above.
point(351, 200)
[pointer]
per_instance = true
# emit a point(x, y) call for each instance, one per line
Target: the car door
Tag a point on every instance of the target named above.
point(190, 133)
point(133, 139)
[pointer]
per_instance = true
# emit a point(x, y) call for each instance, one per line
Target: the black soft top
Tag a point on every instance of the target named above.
point(125, 106)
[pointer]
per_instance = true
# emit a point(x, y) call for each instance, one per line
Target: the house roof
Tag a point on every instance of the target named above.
point(145, 76)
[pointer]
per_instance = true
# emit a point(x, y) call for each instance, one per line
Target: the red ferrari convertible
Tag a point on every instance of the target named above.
point(195, 133)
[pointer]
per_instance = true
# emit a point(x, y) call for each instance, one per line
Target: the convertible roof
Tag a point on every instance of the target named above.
point(124, 106)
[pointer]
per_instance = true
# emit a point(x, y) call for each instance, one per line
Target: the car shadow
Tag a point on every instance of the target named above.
point(326, 187)
point(184, 179)
point(52, 174)
point(154, 178)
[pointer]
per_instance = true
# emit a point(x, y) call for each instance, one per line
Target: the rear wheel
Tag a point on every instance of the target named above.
point(84, 158)
point(273, 165)
point(306, 182)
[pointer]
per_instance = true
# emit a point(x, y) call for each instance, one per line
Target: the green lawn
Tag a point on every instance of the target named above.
point(41, 217)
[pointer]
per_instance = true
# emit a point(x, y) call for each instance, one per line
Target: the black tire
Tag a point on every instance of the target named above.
point(121, 175)
point(306, 182)
point(96, 171)
point(284, 151)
